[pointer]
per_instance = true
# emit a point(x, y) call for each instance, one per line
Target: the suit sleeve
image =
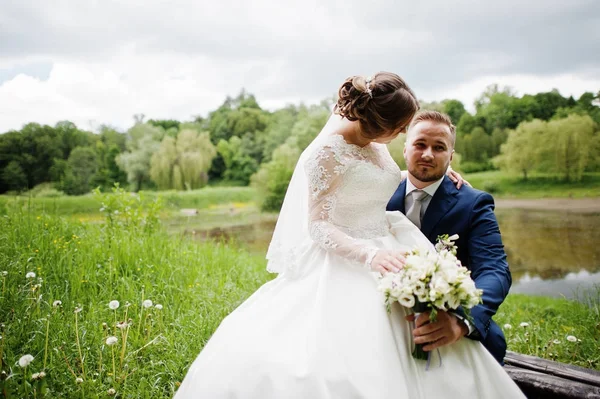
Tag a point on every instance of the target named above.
point(487, 261)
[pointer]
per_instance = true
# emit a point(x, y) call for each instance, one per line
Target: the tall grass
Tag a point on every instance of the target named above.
point(128, 259)
point(89, 204)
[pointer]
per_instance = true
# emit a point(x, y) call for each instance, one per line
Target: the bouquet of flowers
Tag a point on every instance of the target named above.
point(431, 281)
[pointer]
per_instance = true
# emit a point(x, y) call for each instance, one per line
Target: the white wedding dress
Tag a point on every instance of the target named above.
point(320, 329)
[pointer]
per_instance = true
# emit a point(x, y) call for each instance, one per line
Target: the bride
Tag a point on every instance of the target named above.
point(320, 329)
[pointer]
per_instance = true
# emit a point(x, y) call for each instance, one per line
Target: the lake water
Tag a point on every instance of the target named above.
point(550, 253)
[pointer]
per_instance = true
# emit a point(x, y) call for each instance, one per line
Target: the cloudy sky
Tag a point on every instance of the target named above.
point(102, 61)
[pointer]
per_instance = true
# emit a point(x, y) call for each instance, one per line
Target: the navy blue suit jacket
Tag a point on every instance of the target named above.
point(470, 214)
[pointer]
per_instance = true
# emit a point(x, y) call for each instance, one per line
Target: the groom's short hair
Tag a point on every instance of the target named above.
point(434, 116)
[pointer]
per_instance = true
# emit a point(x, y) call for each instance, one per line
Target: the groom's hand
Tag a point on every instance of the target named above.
point(446, 330)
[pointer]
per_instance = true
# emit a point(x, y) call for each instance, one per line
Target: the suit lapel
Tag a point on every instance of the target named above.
point(397, 201)
point(443, 200)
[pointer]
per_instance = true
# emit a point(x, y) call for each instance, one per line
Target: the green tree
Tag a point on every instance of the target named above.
point(455, 109)
point(273, 178)
point(183, 163)
point(239, 165)
point(80, 172)
point(14, 177)
point(143, 140)
point(568, 145)
point(521, 151)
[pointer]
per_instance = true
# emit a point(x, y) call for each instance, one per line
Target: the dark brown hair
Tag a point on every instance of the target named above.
point(390, 105)
point(435, 116)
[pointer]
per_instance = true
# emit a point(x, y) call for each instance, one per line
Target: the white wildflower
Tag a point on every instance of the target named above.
point(35, 376)
point(111, 341)
point(79, 380)
point(158, 306)
point(114, 305)
point(147, 303)
point(572, 338)
point(78, 309)
point(524, 324)
point(30, 275)
point(556, 341)
point(507, 326)
point(111, 392)
point(25, 360)
point(4, 273)
point(56, 303)
point(121, 325)
point(42, 374)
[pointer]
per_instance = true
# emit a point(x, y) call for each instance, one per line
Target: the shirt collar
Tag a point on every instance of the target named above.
point(430, 189)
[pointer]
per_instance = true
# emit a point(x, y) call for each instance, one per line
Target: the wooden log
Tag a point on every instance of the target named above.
point(549, 367)
point(536, 385)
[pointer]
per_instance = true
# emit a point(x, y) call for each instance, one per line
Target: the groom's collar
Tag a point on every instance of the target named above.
point(430, 189)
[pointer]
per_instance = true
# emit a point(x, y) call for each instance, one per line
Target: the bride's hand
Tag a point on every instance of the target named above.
point(456, 178)
point(387, 261)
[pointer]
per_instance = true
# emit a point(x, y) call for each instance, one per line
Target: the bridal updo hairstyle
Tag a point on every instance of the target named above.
point(384, 104)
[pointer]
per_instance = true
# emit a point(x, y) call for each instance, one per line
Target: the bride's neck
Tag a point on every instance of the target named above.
point(352, 133)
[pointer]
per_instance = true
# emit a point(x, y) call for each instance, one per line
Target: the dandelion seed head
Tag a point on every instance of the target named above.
point(42, 374)
point(111, 341)
point(114, 305)
point(147, 303)
point(30, 275)
point(111, 392)
point(572, 338)
point(56, 303)
point(5, 273)
point(78, 309)
point(556, 341)
point(121, 325)
point(35, 376)
point(25, 360)
point(507, 326)
point(524, 324)
point(79, 380)
point(158, 306)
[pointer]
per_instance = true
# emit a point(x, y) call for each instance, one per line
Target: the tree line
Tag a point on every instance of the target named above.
point(239, 143)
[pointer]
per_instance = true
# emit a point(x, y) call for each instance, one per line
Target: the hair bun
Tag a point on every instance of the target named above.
point(353, 98)
point(381, 105)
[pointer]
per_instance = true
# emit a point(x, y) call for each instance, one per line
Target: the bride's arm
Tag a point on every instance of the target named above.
point(324, 171)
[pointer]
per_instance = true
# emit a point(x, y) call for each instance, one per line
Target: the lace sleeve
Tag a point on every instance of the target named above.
point(324, 171)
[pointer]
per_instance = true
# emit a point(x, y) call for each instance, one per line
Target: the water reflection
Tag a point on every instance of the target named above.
point(549, 253)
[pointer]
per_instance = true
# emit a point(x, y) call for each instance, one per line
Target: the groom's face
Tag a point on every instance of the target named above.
point(428, 150)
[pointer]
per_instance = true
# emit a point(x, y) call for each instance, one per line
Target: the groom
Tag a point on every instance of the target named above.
point(434, 204)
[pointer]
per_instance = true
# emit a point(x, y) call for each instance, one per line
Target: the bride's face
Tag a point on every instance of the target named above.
point(387, 138)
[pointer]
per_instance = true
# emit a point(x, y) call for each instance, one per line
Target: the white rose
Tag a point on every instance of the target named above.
point(407, 300)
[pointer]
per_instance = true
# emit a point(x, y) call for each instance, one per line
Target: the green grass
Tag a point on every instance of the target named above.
point(131, 258)
point(504, 185)
point(172, 200)
point(549, 322)
point(87, 266)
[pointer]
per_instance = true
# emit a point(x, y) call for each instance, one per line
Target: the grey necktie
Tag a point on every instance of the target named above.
point(414, 212)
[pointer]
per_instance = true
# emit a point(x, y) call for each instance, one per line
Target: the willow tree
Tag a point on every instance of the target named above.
point(183, 162)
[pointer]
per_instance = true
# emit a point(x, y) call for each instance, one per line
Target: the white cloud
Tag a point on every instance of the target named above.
point(109, 60)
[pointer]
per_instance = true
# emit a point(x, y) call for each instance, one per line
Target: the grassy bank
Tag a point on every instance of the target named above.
point(85, 266)
point(131, 259)
point(171, 200)
point(555, 329)
point(503, 185)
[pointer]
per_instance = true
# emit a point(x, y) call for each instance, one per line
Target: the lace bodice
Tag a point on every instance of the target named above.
point(350, 187)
